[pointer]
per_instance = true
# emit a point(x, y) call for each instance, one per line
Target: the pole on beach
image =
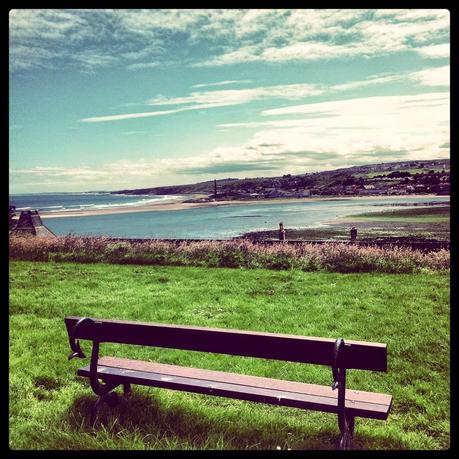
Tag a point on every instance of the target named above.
point(353, 234)
point(281, 232)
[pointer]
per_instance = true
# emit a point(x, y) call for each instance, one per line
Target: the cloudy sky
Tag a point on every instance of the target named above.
point(111, 99)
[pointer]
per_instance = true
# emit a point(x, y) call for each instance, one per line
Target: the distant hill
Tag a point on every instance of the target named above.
point(195, 188)
point(381, 177)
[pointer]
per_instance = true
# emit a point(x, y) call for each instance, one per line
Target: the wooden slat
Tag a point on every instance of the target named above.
point(295, 348)
point(252, 388)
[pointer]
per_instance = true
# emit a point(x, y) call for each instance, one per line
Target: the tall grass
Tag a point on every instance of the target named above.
point(332, 257)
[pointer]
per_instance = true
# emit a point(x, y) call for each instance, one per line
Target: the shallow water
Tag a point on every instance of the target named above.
point(225, 222)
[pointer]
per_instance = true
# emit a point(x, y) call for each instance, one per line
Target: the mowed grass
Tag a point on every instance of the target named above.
point(49, 405)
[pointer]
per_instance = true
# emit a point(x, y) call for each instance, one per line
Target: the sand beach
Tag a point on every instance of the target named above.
point(179, 204)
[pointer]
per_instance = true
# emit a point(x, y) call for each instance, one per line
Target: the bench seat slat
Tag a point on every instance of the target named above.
point(244, 387)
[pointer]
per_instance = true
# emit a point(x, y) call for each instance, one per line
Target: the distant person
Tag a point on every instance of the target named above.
point(353, 234)
point(281, 232)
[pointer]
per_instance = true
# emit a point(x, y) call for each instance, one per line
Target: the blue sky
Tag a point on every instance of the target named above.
point(115, 99)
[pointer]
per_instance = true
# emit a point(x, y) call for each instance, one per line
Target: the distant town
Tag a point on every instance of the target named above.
point(394, 178)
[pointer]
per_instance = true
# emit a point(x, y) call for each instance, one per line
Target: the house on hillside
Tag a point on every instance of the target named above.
point(367, 189)
point(303, 194)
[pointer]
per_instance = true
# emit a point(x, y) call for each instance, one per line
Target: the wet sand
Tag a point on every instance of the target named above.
point(181, 205)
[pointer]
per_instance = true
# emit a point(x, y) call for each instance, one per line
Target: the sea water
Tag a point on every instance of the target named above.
point(218, 222)
point(62, 202)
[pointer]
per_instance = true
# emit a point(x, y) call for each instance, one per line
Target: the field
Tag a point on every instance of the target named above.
point(49, 405)
point(437, 214)
point(411, 170)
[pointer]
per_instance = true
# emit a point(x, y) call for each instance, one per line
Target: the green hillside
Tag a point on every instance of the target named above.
point(430, 176)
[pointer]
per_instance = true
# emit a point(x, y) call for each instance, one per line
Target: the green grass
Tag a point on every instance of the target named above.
point(440, 214)
point(412, 171)
point(49, 405)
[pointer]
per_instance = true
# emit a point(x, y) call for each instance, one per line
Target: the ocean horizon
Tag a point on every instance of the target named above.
point(89, 200)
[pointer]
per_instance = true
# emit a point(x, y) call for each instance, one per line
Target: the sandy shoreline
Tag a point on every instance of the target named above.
point(180, 205)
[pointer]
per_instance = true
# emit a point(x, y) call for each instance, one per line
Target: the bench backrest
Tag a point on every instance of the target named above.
point(294, 348)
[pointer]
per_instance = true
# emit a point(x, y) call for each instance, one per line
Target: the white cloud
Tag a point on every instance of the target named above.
point(364, 105)
point(435, 51)
point(239, 96)
point(241, 55)
point(437, 76)
point(91, 59)
point(331, 134)
point(412, 14)
point(99, 174)
point(23, 57)
point(143, 39)
point(126, 116)
point(200, 100)
point(214, 99)
point(136, 132)
point(145, 65)
point(330, 34)
point(220, 83)
point(413, 123)
point(371, 128)
point(139, 39)
point(336, 133)
point(370, 81)
point(306, 51)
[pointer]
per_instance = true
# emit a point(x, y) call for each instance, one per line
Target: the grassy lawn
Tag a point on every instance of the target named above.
point(439, 214)
point(49, 406)
point(412, 171)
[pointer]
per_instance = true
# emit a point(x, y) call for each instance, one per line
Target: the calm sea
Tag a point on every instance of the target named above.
point(222, 222)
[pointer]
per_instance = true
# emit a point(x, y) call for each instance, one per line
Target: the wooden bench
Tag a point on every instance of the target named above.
point(106, 373)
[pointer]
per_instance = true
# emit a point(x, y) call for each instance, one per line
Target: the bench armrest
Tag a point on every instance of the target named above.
point(74, 344)
point(97, 387)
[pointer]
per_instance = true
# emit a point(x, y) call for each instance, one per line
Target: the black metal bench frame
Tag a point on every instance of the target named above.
point(338, 354)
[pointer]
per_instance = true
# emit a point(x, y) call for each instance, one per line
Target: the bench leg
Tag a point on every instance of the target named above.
point(351, 425)
point(127, 390)
point(109, 397)
point(347, 434)
point(94, 411)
